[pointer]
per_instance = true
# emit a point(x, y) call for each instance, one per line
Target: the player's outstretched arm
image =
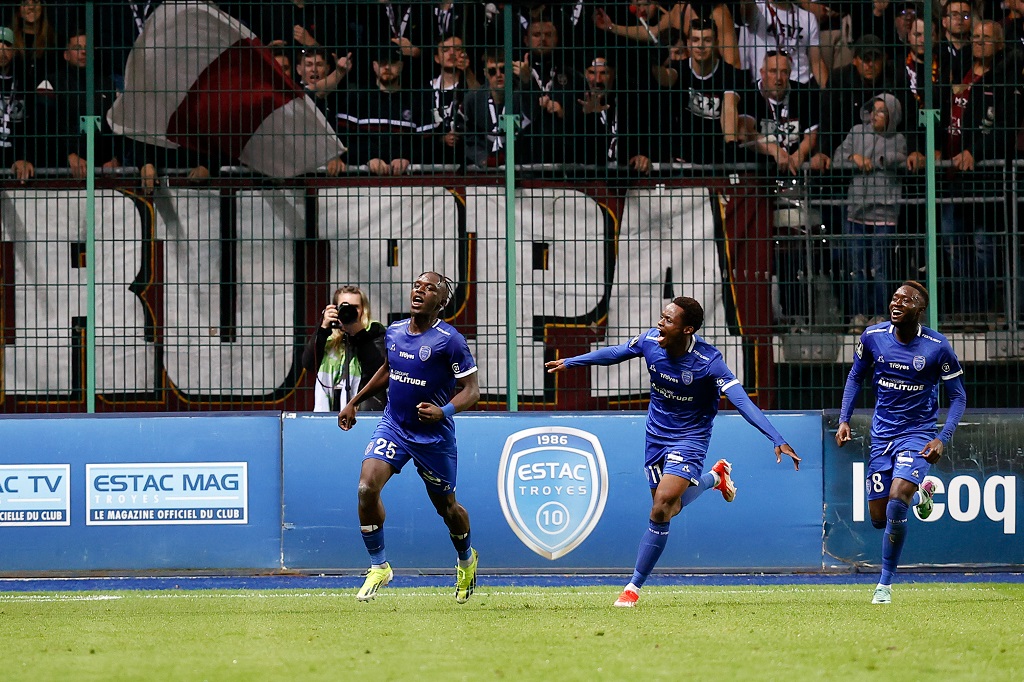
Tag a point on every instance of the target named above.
point(555, 366)
point(379, 381)
point(737, 395)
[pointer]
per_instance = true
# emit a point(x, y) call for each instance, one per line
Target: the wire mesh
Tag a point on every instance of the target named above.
point(185, 185)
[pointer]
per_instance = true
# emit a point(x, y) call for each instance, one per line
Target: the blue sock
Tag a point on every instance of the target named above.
point(707, 482)
point(916, 499)
point(374, 541)
point(462, 545)
point(893, 539)
point(652, 544)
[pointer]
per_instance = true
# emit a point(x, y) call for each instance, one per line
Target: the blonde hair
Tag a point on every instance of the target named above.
point(364, 306)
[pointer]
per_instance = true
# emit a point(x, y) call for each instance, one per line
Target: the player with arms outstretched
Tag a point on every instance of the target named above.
point(430, 375)
point(909, 360)
point(687, 376)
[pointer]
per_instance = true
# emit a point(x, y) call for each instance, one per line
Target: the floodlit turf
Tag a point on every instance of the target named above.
point(936, 631)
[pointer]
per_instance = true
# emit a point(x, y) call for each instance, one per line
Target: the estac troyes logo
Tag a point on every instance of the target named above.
point(553, 485)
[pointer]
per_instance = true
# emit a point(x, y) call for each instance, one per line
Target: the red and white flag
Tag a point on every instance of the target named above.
point(198, 78)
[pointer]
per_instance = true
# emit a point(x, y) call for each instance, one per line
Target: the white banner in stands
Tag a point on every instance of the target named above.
point(46, 228)
point(666, 248)
point(561, 241)
point(254, 354)
point(382, 238)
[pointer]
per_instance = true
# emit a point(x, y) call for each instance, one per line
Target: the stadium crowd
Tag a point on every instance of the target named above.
point(824, 92)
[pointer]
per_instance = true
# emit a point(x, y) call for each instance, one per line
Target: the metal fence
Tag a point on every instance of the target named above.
point(185, 185)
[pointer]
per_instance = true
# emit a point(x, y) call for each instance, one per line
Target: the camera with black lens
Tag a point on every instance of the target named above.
point(347, 314)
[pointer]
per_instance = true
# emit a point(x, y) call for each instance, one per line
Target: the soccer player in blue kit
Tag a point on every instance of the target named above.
point(430, 375)
point(687, 376)
point(909, 360)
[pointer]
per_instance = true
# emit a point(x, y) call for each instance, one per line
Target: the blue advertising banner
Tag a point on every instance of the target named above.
point(976, 500)
point(552, 492)
point(35, 495)
point(187, 492)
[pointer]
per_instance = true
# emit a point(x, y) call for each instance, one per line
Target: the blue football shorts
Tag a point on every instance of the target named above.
point(896, 458)
point(684, 459)
point(437, 464)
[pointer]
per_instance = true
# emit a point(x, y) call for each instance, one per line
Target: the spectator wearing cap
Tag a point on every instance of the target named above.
point(704, 97)
point(852, 86)
point(615, 121)
point(382, 125)
point(16, 119)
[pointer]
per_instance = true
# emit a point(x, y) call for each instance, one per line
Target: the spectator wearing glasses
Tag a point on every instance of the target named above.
point(484, 107)
point(956, 57)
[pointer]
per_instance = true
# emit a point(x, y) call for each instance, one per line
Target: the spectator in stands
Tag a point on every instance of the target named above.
point(446, 125)
point(650, 22)
point(547, 78)
point(321, 82)
point(704, 100)
point(484, 107)
point(345, 351)
point(955, 50)
point(402, 26)
point(284, 60)
point(981, 126)
point(916, 73)
point(611, 119)
point(876, 150)
point(776, 25)
point(1013, 22)
point(785, 119)
point(851, 87)
point(16, 119)
point(35, 41)
point(383, 124)
point(294, 25)
point(70, 103)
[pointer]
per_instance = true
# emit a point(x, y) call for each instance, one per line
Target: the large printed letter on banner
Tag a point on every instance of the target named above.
point(382, 238)
point(560, 252)
point(666, 247)
point(230, 295)
point(48, 229)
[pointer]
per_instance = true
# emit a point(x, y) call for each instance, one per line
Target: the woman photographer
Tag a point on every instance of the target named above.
point(345, 351)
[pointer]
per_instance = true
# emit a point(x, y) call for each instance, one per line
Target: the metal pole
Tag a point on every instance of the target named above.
point(508, 124)
point(90, 123)
point(929, 117)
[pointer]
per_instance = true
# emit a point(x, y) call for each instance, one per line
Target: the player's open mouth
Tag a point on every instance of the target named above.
point(895, 314)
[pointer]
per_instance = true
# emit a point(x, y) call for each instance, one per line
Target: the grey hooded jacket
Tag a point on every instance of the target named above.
point(875, 196)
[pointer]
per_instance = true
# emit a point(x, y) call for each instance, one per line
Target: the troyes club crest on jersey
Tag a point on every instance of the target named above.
point(553, 485)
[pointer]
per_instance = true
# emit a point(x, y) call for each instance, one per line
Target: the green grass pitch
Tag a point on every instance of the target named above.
point(932, 631)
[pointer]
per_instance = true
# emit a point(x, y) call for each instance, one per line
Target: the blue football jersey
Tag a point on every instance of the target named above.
point(906, 378)
point(423, 369)
point(684, 390)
